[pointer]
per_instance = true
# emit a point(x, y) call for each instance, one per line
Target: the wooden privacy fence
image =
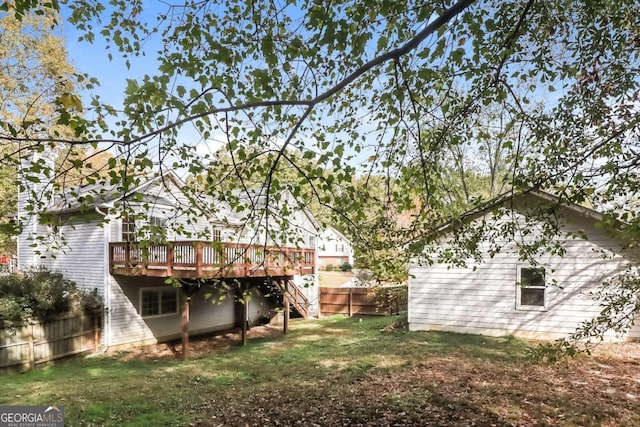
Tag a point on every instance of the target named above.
point(368, 301)
point(40, 342)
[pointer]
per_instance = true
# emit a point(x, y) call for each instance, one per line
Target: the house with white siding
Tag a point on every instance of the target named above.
point(146, 255)
point(334, 248)
point(546, 297)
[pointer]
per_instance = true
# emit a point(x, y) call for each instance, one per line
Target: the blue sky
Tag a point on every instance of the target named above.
point(112, 74)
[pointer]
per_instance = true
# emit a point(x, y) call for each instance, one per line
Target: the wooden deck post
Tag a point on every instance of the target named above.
point(169, 259)
point(111, 257)
point(245, 316)
point(199, 259)
point(223, 259)
point(185, 327)
point(286, 307)
point(127, 255)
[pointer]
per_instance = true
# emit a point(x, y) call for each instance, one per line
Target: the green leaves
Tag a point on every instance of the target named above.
point(70, 101)
point(504, 95)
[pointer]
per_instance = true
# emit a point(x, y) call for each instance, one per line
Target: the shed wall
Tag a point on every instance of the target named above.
point(481, 298)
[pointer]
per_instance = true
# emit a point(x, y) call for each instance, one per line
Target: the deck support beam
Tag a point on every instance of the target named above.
point(286, 307)
point(185, 326)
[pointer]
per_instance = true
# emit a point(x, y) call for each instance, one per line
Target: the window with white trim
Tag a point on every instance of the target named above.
point(128, 229)
point(156, 228)
point(162, 301)
point(531, 289)
point(216, 235)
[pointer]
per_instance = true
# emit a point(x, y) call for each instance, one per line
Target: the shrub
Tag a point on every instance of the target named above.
point(346, 267)
point(42, 295)
point(329, 267)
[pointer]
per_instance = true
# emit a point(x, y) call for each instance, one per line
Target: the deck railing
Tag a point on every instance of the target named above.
point(200, 259)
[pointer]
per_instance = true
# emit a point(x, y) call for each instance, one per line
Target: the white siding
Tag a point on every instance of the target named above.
point(481, 298)
point(81, 257)
point(206, 315)
point(127, 326)
point(333, 245)
point(293, 229)
point(27, 257)
point(77, 251)
point(634, 333)
point(210, 315)
point(193, 223)
point(39, 194)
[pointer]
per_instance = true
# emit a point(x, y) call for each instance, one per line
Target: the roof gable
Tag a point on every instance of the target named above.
point(518, 202)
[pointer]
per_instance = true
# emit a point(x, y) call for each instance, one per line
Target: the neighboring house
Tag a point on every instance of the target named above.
point(505, 296)
point(96, 246)
point(334, 248)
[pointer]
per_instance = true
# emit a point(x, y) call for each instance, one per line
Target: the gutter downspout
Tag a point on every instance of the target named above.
point(106, 327)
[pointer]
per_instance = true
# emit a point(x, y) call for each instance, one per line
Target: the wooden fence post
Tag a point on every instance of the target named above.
point(350, 302)
point(32, 351)
point(96, 335)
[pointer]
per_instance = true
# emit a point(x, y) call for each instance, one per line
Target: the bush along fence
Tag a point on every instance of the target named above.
point(44, 317)
point(364, 301)
point(37, 342)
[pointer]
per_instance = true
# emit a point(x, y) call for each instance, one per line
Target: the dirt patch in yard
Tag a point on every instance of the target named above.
point(200, 346)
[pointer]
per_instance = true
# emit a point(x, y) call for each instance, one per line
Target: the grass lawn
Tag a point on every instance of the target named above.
point(342, 371)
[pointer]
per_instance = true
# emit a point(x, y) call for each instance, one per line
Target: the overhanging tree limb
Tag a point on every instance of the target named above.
point(393, 54)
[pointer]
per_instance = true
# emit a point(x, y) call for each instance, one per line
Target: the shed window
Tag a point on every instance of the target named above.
point(531, 287)
point(158, 301)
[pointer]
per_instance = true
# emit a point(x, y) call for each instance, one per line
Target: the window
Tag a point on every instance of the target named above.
point(312, 241)
point(158, 301)
point(531, 287)
point(128, 229)
point(156, 229)
point(216, 235)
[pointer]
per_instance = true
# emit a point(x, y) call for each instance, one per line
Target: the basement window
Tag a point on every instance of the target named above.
point(531, 288)
point(158, 301)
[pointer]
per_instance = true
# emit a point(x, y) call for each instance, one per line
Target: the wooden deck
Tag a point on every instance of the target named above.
point(208, 260)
